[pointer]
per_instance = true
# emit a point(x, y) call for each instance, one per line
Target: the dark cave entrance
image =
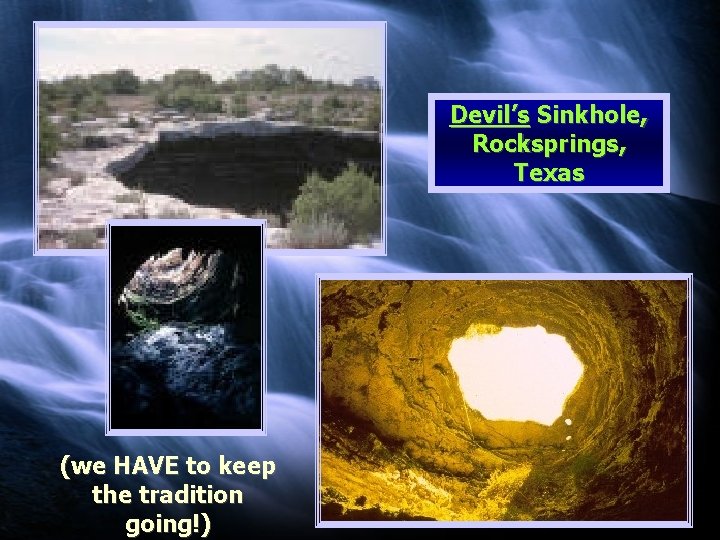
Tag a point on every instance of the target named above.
point(186, 327)
point(250, 173)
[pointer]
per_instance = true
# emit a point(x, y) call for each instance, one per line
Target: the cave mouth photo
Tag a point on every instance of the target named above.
point(506, 399)
point(185, 332)
point(515, 373)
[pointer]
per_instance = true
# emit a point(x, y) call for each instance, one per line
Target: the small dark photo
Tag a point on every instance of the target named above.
point(185, 326)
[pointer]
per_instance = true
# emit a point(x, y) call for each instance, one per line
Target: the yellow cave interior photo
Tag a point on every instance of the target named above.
point(482, 400)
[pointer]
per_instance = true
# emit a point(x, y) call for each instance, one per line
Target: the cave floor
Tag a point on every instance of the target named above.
point(186, 375)
point(366, 478)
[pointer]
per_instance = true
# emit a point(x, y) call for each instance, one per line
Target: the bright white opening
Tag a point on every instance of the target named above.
point(516, 373)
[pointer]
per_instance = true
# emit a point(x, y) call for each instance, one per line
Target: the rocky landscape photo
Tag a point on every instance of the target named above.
point(185, 327)
point(404, 433)
point(220, 123)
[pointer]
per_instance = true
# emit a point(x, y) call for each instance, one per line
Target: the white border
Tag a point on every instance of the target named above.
point(356, 524)
point(262, 431)
point(356, 252)
point(542, 187)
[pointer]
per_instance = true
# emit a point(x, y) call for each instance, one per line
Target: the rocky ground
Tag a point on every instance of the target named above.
point(80, 192)
point(186, 376)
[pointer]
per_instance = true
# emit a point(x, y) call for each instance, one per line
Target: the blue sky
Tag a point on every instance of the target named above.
point(339, 54)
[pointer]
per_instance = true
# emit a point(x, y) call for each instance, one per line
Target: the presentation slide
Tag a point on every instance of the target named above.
point(288, 268)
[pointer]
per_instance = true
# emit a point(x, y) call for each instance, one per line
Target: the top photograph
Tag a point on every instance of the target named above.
point(181, 121)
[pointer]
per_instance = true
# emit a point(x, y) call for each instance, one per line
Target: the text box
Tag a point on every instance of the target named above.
point(550, 143)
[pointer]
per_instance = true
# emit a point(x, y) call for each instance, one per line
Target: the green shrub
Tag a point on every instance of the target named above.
point(193, 78)
point(130, 197)
point(132, 122)
point(240, 104)
point(45, 176)
point(74, 115)
point(93, 105)
point(190, 99)
point(304, 110)
point(81, 239)
point(332, 102)
point(124, 81)
point(49, 140)
point(76, 178)
point(316, 233)
point(175, 213)
point(273, 220)
point(352, 198)
point(141, 320)
point(373, 117)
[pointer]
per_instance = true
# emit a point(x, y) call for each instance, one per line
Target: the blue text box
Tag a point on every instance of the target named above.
point(557, 143)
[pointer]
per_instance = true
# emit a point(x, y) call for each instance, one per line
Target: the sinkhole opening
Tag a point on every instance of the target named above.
point(167, 277)
point(515, 373)
point(249, 172)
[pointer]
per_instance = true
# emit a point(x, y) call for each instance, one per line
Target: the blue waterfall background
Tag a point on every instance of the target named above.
point(51, 309)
